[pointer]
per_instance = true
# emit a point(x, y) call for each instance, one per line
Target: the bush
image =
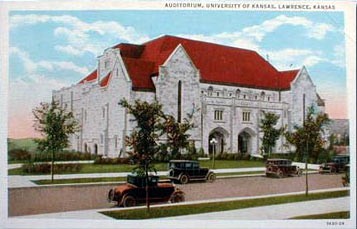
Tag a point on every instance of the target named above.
point(19, 155)
point(111, 161)
point(63, 156)
point(45, 168)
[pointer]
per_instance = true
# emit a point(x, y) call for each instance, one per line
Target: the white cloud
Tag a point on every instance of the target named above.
point(81, 36)
point(294, 58)
point(33, 66)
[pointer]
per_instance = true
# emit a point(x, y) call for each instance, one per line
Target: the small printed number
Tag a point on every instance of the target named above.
point(335, 223)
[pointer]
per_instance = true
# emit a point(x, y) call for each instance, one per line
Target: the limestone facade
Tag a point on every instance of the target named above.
point(229, 113)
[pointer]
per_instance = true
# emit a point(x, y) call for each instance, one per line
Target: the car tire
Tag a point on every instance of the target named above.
point(184, 179)
point(280, 174)
point(177, 197)
point(129, 201)
point(111, 195)
point(211, 177)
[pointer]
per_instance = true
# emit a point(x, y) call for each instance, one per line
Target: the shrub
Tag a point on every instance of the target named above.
point(19, 155)
point(63, 156)
point(111, 161)
point(45, 168)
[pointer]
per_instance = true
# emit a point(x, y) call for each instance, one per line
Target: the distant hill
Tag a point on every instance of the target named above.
point(23, 143)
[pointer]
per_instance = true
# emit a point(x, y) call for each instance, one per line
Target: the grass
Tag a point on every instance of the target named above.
point(169, 211)
point(332, 215)
point(114, 179)
point(96, 168)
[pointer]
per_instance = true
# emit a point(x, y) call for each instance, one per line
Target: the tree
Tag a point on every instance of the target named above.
point(143, 139)
point(177, 136)
point(309, 136)
point(55, 125)
point(271, 134)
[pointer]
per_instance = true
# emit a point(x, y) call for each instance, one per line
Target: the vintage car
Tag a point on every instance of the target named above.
point(186, 170)
point(338, 164)
point(281, 168)
point(134, 192)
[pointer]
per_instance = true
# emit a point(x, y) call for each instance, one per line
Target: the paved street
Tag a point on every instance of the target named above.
point(272, 212)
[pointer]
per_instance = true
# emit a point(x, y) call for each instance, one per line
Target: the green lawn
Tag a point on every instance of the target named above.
point(95, 168)
point(115, 179)
point(169, 211)
point(332, 215)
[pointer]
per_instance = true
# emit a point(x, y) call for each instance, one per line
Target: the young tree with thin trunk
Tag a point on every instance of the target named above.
point(55, 125)
point(271, 134)
point(143, 139)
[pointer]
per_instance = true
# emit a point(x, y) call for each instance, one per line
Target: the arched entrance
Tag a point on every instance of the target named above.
point(245, 142)
point(95, 149)
point(220, 135)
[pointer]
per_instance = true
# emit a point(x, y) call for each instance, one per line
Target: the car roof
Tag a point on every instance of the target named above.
point(175, 161)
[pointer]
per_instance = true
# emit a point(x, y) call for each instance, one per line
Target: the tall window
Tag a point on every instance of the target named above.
point(179, 95)
point(246, 116)
point(218, 115)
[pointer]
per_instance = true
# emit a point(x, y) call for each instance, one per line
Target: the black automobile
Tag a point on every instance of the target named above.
point(338, 164)
point(134, 191)
point(184, 171)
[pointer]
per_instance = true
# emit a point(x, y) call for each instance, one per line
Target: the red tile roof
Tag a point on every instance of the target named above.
point(217, 64)
point(92, 76)
point(104, 82)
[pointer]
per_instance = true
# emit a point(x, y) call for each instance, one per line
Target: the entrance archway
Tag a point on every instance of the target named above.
point(95, 149)
point(245, 141)
point(220, 135)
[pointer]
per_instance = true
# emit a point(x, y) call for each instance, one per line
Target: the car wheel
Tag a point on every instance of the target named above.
point(111, 195)
point(184, 179)
point(129, 201)
point(211, 177)
point(280, 173)
point(177, 197)
point(299, 172)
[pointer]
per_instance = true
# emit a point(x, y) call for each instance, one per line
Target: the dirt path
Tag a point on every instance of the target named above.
point(47, 199)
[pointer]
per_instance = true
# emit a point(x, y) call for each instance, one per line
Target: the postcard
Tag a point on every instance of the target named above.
point(178, 114)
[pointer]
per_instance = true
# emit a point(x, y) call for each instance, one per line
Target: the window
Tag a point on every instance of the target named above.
point(116, 141)
point(217, 93)
point(103, 112)
point(246, 116)
point(244, 96)
point(210, 89)
point(237, 93)
point(106, 64)
point(179, 94)
point(218, 115)
point(101, 138)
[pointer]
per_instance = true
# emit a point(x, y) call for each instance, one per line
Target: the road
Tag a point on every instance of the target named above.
point(47, 199)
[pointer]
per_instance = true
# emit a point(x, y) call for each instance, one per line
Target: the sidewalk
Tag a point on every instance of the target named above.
point(271, 212)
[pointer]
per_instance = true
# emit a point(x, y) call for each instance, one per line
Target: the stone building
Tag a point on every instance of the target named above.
point(225, 88)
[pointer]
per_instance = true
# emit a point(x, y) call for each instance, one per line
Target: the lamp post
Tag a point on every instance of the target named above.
point(213, 142)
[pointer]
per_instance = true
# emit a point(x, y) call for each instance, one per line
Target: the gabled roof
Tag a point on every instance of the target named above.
point(104, 82)
point(91, 77)
point(218, 64)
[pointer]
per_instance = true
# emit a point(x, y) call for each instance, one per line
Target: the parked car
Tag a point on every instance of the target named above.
point(346, 177)
point(133, 192)
point(338, 164)
point(281, 168)
point(184, 171)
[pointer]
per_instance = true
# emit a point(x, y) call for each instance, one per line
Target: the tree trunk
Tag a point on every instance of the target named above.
point(147, 188)
point(52, 165)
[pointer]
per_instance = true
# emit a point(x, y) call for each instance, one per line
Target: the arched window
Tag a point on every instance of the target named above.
point(237, 93)
point(210, 90)
point(262, 95)
point(179, 95)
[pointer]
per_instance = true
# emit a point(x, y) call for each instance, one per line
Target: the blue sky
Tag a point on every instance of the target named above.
point(52, 49)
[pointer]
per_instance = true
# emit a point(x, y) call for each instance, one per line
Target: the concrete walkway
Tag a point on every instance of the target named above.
point(271, 212)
